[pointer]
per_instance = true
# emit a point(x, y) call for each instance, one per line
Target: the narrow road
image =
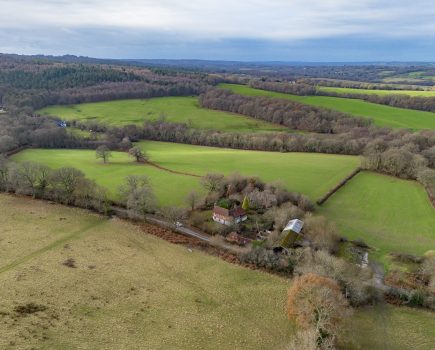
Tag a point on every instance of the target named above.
point(123, 213)
point(184, 230)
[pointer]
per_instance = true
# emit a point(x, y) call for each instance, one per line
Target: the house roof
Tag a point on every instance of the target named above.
point(221, 211)
point(237, 212)
point(294, 225)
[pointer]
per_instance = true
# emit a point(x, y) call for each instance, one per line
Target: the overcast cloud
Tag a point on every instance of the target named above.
point(313, 30)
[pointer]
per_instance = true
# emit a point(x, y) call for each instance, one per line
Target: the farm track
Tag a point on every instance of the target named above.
point(48, 247)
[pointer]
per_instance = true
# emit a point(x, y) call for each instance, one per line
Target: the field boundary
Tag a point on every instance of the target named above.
point(170, 170)
point(343, 182)
point(16, 150)
point(431, 195)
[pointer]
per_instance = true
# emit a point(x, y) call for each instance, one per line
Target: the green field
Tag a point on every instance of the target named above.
point(310, 173)
point(175, 110)
point(169, 188)
point(387, 213)
point(126, 292)
point(339, 90)
point(383, 116)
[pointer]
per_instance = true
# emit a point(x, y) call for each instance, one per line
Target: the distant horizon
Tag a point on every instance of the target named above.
point(374, 62)
point(248, 31)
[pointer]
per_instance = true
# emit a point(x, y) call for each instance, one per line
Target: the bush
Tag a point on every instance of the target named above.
point(316, 303)
point(322, 233)
point(224, 203)
point(267, 259)
point(356, 282)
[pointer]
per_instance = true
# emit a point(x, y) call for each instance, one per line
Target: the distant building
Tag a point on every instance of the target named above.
point(291, 232)
point(229, 216)
point(61, 123)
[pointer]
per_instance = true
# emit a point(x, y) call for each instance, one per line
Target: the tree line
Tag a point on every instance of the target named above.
point(394, 100)
point(294, 87)
point(308, 87)
point(292, 114)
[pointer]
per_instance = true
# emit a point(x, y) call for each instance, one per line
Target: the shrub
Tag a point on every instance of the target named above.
point(322, 233)
point(316, 303)
point(224, 203)
point(356, 282)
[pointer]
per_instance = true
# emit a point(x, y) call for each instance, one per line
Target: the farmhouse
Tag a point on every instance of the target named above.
point(228, 216)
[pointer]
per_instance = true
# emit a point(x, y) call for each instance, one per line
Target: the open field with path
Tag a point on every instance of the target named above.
point(170, 189)
point(309, 173)
point(130, 290)
point(383, 116)
point(389, 214)
point(339, 90)
point(312, 174)
point(175, 109)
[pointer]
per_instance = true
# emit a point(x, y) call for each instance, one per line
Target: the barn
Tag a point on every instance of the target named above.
point(291, 232)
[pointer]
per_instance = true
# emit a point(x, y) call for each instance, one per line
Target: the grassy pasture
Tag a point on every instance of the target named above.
point(126, 292)
point(311, 174)
point(383, 116)
point(426, 93)
point(169, 188)
point(175, 109)
point(388, 213)
point(389, 327)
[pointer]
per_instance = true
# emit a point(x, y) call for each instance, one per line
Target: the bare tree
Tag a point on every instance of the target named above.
point(173, 214)
point(104, 153)
point(131, 183)
point(138, 154)
point(213, 182)
point(26, 177)
point(141, 202)
point(7, 143)
point(322, 233)
point(193, 199)
point(4, 173)
point(65, 182)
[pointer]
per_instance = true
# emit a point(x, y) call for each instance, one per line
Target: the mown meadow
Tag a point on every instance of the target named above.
point(390, 214)
point(121, 289)
point(170, 188)
point(172, 109)
point(383, 116)
point(312, 174)
point(340, 90)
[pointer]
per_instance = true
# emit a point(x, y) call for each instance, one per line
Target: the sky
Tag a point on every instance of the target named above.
point(249, 30)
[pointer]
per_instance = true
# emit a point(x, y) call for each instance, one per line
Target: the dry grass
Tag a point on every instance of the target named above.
point(130, 290)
